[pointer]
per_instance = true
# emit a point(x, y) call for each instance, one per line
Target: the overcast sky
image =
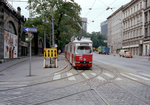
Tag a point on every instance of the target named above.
point(98, 13)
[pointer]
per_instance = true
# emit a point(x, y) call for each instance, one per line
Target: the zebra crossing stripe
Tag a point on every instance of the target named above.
point(138, 76)
point(85, 75)
point(100, 78)
point(94, 74)
point(109, 75)
point(70, 78)
point(147, 75)
point(118, 79)
point(128, 76)
point(56, 76)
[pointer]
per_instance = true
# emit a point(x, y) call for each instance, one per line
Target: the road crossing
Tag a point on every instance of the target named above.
point(87, 75)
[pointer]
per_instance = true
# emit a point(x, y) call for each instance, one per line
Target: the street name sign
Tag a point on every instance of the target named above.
point(34, 30)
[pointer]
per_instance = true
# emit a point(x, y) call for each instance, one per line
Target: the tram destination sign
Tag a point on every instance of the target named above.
point(34, 30)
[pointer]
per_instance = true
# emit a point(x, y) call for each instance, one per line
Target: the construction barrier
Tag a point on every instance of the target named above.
point(50, 53)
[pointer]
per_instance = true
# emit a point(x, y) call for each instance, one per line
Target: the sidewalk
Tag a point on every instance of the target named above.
point(19, 69)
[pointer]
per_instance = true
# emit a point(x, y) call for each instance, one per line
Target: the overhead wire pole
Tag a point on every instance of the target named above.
point(53, 43)
point(44, 33)
point(30, 16)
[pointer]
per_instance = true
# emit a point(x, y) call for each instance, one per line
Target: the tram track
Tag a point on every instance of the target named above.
point(132, 93)
point(99, 71)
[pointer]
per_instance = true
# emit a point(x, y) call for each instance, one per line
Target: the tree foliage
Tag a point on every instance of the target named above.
point(67, 21)
point(98, 39)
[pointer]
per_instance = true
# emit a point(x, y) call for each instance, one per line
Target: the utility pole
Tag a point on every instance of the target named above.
point(44, 33)
point(50, 35)
point(30, 16)
point(53, 43)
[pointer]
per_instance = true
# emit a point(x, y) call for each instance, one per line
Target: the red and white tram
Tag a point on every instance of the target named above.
point(79, 52)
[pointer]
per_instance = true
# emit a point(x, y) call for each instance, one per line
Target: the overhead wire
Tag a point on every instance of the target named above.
point(90, 8)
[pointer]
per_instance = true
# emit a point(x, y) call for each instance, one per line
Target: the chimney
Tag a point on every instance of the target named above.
point(19, 11)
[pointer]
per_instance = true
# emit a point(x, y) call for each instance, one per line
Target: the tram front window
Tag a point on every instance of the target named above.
point(84, 50)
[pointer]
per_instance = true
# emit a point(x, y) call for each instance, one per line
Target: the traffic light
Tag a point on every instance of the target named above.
point(26, 37)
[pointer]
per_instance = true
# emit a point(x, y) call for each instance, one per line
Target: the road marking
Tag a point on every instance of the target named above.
point(85, 75)
point(56, 76)
point(128, 76)
point(109, 75)
point(118, 79)
point(94, 74)
point(138, 76)
point(100, 78)
point(70, 78)
point(147, 75)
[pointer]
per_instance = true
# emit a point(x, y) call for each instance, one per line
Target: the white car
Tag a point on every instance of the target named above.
point(122, 52)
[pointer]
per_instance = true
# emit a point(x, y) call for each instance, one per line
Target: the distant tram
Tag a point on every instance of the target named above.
point(79, 52)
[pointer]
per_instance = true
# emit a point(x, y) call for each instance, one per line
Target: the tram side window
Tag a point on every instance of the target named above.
point(84, 50)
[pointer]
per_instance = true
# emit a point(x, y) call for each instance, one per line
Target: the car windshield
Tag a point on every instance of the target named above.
point(84, 50)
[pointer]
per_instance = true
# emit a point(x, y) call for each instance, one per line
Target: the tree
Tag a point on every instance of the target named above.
point(98, 39)
point(66, 16)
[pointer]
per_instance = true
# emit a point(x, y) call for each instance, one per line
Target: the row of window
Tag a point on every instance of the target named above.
point(133, 21)
point(147, 16)
point(132, 34)
point(147, 31)
point(147, 3)
point(130, 43)
point(133, 9)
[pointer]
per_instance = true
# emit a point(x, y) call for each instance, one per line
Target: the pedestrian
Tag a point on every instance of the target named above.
point(114, 52)
point(149, 57)
point(59, 51)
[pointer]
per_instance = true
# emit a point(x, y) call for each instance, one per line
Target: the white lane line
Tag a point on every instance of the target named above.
point(85, 75)
point(147, 75)
point(100, 78)
point(118, 79)
point(94, 74)
point(138, 76)
point(128, 76)
point(70, 78)
point(109, 75)
point(56, 76)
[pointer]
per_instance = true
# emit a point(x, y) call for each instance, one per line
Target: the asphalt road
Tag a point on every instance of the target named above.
point(138, 64)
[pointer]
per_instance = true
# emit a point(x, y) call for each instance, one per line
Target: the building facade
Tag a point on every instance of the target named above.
point(115, 30)
point(11, 31)
point(133, 27)
point(104, 28)
point(146, 43)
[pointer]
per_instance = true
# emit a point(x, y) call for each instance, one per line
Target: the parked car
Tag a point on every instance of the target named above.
point(128, 54)
point(122, 52)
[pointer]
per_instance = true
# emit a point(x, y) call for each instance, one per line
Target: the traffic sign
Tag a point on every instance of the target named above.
point(34, 30)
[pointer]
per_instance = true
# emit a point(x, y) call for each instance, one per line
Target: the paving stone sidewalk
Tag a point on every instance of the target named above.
point(19, 69)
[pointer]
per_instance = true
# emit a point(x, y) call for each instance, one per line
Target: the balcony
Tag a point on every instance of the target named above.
point(147, 38)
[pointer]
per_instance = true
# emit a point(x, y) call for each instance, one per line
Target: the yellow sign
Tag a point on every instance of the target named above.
point(50, 52)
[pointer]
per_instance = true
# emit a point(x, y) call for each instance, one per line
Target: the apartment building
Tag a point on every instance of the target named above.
point(104, 28)
point(146, 43)
point(133, 26)
point(115, 30)
point(84, 24)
